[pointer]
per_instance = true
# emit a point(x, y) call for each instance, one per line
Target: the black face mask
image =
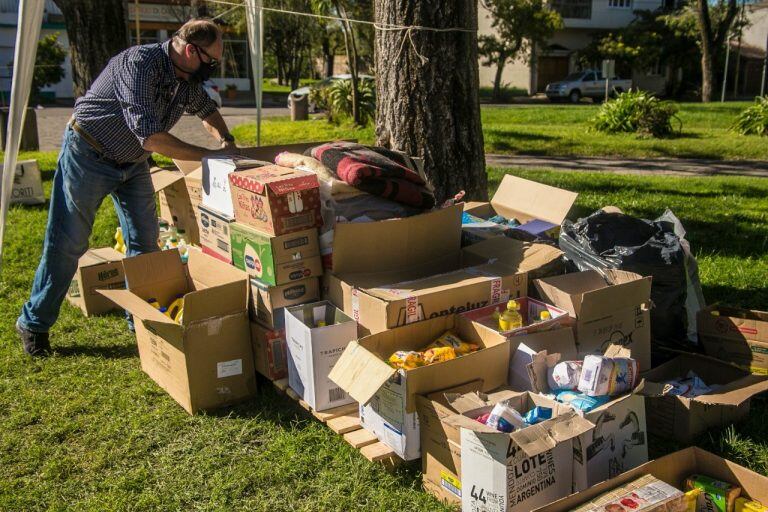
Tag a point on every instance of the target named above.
point(204, 71)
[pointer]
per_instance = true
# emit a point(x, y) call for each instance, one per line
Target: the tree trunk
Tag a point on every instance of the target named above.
point(707, 75)
point(431, 109)
point(496, 97)
point(97, 31)
point(351, 48)
point(328, 57)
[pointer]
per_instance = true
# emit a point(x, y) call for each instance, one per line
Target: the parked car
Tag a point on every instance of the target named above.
point(322, 84)
point(585, 84)
point(213, 91)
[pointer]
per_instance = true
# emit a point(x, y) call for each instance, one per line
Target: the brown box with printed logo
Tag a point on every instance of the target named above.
point(739, 336)
point(97, 269)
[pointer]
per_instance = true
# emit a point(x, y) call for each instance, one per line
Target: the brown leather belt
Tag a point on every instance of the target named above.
point(84, 134)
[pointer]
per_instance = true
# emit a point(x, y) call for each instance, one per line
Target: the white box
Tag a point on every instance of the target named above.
point(521, 471)
point(386, 416)
point(618, 443)
point(312, 352)
point(216, 171)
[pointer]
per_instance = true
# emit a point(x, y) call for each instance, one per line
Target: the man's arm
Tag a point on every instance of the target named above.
point(170, 146)
point(217, 127)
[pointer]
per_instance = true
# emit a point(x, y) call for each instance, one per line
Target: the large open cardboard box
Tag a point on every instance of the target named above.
point(613, 312)
point(444, 415)
point(685, 419)
point(674, 469)
point(387, 396)
point(736, 335)
point(524, 200)
point(206, 361)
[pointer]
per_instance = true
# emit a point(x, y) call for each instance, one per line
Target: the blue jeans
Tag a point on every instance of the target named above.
point(84, 177)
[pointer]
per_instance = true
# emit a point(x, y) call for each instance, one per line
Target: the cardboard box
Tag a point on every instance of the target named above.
point(97, 269)
point(387, 396)
point(530, 311)
point(205, 362)
point(268, 302)
point(270, 353)
point(276, 260)
point(540, 207)
point(674, 469)
point(519, 471)
point(216, 171)
point(646, 494)
point(618, 442)
point(537, 260)
point(276, 200)
point(179, 193)
point(606, 313)
point(685, 419)
point(736, 335)
point(313, 350)
point(560, 341)
point(27, 184)
point(215, 238)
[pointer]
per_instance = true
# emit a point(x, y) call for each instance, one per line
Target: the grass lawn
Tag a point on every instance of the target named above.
point(271, 85)
point(563, 130)
point(87, 430)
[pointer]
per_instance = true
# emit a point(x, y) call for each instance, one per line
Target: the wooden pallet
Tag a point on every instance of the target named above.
point(345, 421)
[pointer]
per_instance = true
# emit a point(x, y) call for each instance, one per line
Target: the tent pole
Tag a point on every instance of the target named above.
point(27, 35)
point(254, 16)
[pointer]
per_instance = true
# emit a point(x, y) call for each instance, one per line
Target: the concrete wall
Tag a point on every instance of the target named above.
point(756, 33)
point(516, 74)
point(606, 17)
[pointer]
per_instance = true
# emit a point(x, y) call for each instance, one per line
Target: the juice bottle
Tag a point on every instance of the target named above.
point(511, 318)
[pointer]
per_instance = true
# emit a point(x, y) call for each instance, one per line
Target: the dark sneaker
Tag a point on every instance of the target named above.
point(36, 344)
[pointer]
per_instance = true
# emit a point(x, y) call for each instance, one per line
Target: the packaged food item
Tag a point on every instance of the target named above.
point(716, 495)
point(483, 418)
point(505, 418)
point(602, 375)
point(439, 354)
point(406, 359)
point(564, 375)
point(511, 317)
point(580, 401)
point(537, 415)
point(747, 505)
point(690, 387)
point(450, 339)
point(646, 494)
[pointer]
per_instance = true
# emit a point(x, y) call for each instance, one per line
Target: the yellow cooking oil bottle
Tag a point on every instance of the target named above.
point(176, 309)
point(511, 317)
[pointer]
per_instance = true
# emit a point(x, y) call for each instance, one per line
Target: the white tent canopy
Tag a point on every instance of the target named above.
point(27, 35)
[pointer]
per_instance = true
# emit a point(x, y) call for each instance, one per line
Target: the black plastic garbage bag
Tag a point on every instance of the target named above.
point(650, 248)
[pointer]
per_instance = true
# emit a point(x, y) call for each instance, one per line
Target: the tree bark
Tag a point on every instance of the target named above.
point(328, 57)
point(431, 109)
point(710, 41)
point(97, 31)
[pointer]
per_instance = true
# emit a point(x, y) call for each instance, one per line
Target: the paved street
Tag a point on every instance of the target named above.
point(51, 122)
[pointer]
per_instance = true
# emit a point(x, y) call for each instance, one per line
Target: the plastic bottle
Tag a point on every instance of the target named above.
point(119, 241)
point(544, 316)
point(183, 250)
point(153, 302)
point(511, 318)
point(180, 315)
point(175, 306)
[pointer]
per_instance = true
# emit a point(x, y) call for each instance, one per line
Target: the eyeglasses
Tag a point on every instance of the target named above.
point(211, 61)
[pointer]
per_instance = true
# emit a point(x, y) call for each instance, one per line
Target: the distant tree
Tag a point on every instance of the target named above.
point(97, 30)
point(714, 23)
point(519, 26)
point(48, 63)
point(289, 39)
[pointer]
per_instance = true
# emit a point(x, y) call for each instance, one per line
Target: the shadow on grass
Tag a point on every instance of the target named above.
point(737, 297)
point(100, 351)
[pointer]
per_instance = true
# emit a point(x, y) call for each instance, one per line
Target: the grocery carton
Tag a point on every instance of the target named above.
point(539, 208)
point(276, 200)
point(556, 341)
point(387, 396)
point(268, 302)
point(674, 469)
point(613, 311)
point(206, 361)
point(269, 351)
point(684, 418)
point(276, 260)
point(97, 269)
point(27, 184)
point(316, 335)
point(736, 335)
point(215, 238)
point(216, 171)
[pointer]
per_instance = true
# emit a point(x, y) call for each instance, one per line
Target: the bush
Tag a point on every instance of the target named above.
point(637, 112)
point(336, 100)
point(753, 120)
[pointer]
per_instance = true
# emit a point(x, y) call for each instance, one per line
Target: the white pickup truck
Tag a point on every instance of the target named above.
point(585, 84)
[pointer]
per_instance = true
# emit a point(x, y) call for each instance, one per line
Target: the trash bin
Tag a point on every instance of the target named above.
point(299, 106)
point(29, 138)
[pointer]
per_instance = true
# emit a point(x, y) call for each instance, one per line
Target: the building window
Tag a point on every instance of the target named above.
point(147, 37)
point(574, 9)
point(235, 62)
point(620, 4)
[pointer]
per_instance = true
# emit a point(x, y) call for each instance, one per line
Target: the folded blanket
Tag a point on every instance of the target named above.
point(375, 170)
